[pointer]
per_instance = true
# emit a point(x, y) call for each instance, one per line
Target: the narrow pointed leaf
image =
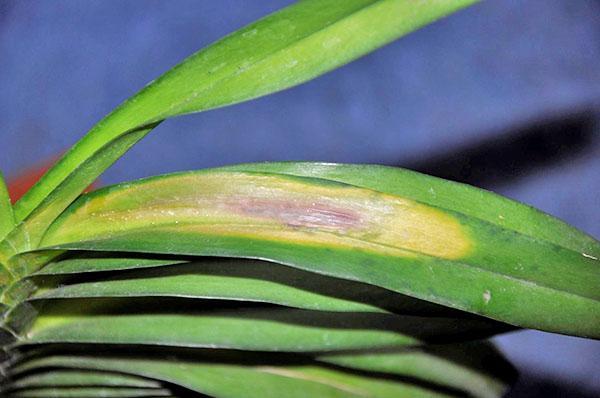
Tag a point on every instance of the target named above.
point(284, 49)
point(7, 217)
point(331, 228)
point(7, 223)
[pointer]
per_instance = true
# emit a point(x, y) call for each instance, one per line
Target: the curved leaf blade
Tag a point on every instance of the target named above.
point(79, 378)
point(251, 329)
point(102, 264)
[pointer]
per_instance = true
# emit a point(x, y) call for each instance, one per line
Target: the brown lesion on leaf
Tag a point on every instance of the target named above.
point(299, 214)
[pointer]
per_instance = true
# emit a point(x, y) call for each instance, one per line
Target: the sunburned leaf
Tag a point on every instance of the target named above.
point(284, 49)
point(462, 198)
point(341, 230)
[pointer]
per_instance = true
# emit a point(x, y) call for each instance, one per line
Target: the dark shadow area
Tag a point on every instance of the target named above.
point(182, 392)
point(514, 154)
point(531, 385)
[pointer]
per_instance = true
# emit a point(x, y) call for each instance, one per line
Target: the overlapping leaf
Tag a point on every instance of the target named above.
point(459, 371)
point(329, 278)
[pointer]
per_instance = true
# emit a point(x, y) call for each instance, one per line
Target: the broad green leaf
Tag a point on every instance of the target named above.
point(284, 49)
point(231, 380)
point(239, 280)
point(78, 378)
point(182, 324)
point(91, 392)
point(355, 233)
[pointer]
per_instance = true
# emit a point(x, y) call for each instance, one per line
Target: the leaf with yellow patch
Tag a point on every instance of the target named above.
point(333, 228)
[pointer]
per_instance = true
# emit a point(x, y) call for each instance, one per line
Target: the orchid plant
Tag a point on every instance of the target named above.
point(276, 279)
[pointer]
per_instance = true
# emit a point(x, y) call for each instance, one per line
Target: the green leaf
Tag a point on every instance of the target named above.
point(7, 217)
point(188, 324)
point(284, 49)
point(475, 368)
point(78, 378)
point(7, 223)
point(90, 265)
point(232, 380)
point(354, 233)
point(252, 281)
point(91, 392)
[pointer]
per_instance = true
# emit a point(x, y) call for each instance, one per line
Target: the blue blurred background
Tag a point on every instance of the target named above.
point(504, 95)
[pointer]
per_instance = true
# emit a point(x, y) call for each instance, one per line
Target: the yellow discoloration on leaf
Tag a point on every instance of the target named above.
point(271, 207)
point(46, 322)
